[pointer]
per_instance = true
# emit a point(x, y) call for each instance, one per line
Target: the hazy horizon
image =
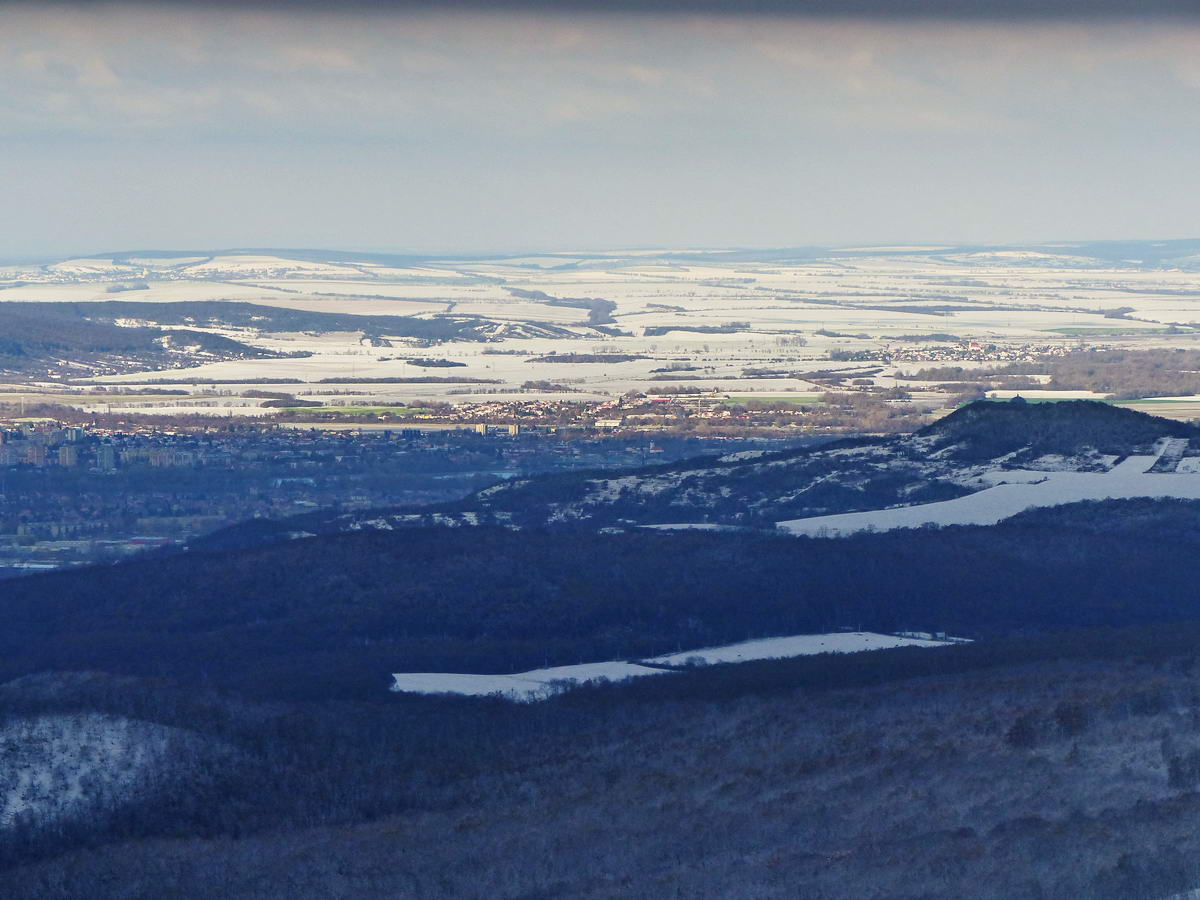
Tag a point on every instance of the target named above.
point(898, 246)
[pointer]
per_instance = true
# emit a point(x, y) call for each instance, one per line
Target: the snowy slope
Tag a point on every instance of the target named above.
point(61, 767)
point(1013, 492)
point(980, 464)
point(954, 457)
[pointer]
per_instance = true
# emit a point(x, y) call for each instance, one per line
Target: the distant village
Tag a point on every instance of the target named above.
point(956, 351)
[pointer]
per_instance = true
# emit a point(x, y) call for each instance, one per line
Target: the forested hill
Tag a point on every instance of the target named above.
point(240, 314)
point(249, 747)
point(988, 429)
point(119, 335)
point(333, 616)
point(757, 489)
point(1054, 770)
point(227, 719)
point(36, 338)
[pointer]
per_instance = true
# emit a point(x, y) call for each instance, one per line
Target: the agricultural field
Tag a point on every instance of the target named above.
point(783, 326)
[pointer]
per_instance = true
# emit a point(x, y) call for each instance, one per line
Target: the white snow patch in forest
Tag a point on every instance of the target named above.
point(524, 687)
point(742, 455)
point(540, 684)
point(796, 645)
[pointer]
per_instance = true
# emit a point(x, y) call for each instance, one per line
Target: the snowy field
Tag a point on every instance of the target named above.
point(537, 684)
point(540, 684)
point(1008, 492)
point(796, 645)
point(861, 303)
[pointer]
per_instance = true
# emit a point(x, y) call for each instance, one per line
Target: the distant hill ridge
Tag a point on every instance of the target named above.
point(757, 489)
point(1139, 253)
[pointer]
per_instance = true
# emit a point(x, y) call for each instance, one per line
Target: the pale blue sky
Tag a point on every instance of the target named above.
point(173, 127)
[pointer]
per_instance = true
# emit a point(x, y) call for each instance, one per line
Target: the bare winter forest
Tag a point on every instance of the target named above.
point(1044, 779)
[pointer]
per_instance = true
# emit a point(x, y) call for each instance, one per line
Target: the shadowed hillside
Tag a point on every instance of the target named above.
point(332, 616)
point(987, 429)
point(35, 338)
point(758, 489)
point(1032, 777)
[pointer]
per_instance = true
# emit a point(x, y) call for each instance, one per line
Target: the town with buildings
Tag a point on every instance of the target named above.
point(75, 494)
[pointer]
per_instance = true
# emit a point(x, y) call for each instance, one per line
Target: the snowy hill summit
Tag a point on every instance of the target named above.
point(981, 450)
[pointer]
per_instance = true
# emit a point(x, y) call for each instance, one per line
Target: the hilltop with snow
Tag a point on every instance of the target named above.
point(955, 471)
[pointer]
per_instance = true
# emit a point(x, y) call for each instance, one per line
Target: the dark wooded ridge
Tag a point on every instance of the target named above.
point(331, 617)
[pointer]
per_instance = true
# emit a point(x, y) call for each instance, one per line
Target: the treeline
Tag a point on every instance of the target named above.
point(599, 310)
point(588, 357)
point(418, 379)
point(429, 363)
point(1125, 374)
point(724, 328)
point(549, 387)
point(30, 330)
point(227, 313)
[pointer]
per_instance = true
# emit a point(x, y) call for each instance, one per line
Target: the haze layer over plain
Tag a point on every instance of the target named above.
point(155, 125)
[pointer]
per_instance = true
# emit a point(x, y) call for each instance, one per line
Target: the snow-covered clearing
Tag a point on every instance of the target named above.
point(1013, 492)
point(793, 315)
point(540, 684)
point(525, 687)
point(796, 645)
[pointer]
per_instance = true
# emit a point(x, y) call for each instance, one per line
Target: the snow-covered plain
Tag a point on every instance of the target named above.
point(1014, 491)
point(862, 303)
point(540, 684)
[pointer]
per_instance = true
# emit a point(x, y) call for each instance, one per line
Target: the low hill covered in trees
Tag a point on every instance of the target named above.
point(331, 617)
point(1048, 769)
point(754, 489)
point(116, 335)
point(35, 338)
point(987, 429)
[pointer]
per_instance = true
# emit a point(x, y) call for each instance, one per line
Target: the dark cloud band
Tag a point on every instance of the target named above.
point(1000, 10)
